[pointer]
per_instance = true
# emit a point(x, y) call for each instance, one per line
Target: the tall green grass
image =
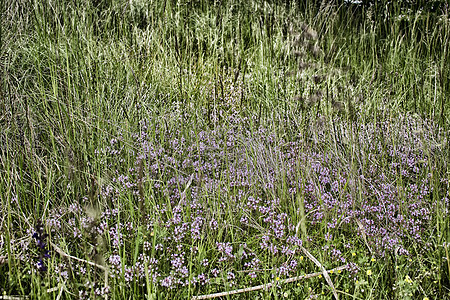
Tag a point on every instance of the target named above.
point(76, 74)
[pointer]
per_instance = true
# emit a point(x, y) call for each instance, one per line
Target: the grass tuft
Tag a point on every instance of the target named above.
point(194, 149)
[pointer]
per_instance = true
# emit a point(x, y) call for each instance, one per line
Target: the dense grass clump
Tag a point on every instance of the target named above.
point(197, 149)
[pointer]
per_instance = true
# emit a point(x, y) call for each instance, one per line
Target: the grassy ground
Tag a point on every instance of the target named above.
point(168, 150)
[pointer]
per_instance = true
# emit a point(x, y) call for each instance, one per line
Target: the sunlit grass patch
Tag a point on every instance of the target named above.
point(182, 149)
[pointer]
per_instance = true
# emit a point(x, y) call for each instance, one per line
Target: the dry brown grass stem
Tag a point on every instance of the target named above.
point(363, 233)
point(269, 285)
point(324, 271)
point(62, 253)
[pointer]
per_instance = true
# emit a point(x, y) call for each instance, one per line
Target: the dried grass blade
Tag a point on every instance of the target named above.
point(324, 272)
point(265, 286)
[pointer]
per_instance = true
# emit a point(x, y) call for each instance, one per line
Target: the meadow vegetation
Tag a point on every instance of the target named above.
point(177, 149)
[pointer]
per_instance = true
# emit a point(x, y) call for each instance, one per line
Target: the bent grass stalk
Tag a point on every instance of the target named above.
point(179, 124)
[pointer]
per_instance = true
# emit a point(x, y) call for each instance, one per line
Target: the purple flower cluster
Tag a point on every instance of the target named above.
point(40, 238)
point(215, 203)
point(242, 183)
